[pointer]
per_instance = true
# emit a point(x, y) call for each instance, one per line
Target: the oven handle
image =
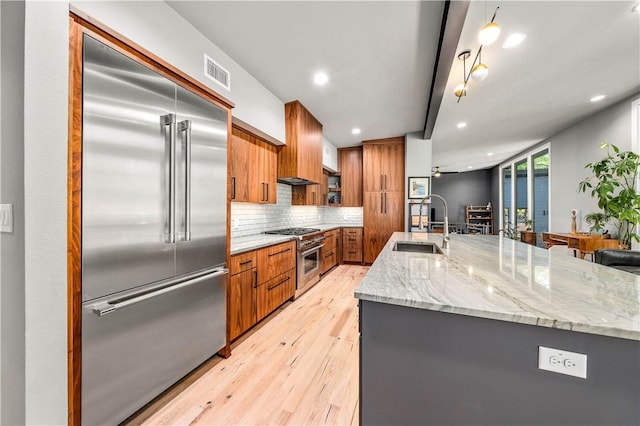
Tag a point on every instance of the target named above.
point(316, 248)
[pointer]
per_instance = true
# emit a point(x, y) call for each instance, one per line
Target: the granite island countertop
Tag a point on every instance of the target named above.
point(497, 278)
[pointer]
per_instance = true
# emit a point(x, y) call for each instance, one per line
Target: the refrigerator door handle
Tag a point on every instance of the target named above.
point(110, 306)
point(170, 120)
point(185, 127)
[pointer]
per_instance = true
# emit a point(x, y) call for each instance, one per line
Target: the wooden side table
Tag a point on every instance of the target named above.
point(528, 237)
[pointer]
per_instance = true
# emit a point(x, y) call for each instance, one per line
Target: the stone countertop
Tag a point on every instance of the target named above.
point(492, 277)
point(257, 241)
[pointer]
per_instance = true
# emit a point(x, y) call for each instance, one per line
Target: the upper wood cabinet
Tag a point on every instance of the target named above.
point(383, 162)
point(307, 195)
point(350, 165)
point(301, 158)
point(253, 168)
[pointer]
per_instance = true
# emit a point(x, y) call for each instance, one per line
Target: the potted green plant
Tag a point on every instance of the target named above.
point(613, 184)
point(596, 221)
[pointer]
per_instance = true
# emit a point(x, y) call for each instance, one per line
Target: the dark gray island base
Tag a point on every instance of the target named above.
point(425, 367)
point(453, 338)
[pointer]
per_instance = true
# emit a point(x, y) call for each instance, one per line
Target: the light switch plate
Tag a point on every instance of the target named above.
point(6, 218)
point(563, 362)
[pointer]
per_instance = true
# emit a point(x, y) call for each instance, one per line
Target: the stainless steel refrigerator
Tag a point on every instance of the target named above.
point(154, 179)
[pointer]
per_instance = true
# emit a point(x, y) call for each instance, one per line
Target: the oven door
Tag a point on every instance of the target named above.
point(308, 268)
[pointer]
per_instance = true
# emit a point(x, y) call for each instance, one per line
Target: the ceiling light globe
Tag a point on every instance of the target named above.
point(479, 72)
point(489, 33)
point(320, 78)
point(460, 90)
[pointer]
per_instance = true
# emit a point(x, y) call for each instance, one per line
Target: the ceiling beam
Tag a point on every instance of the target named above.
point(453, 18)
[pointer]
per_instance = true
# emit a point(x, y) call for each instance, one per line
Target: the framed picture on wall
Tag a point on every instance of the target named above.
point(418, 187)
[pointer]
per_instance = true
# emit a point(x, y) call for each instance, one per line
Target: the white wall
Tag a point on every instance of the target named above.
point(45, 188)
point(158, 28)
point(12, 262)
point(572, 149)
point(417, 162)
point(329, 155)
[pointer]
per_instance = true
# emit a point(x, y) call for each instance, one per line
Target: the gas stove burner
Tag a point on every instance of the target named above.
point(293, 231)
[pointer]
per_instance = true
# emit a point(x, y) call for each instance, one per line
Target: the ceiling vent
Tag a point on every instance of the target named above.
point(216, 73)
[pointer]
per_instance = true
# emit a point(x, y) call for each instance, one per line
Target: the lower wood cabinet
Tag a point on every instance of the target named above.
point(275, 292)
point(261, 281)
point(329, 254)
point(352, 245)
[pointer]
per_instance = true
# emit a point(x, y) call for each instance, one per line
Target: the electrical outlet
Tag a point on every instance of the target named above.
point(563, 362)
point(6, 218)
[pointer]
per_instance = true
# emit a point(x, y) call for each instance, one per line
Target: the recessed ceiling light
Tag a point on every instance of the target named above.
point(597, 98)
point(636, 8)
point(461, 125)
point(356, 131)
point(469, 167)
point(513, 40)
point(489, 154)
point(320, 78)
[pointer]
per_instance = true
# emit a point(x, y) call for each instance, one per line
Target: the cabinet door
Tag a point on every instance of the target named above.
point(350, 161)
point(242, 302)
point(267, 165)
point(306, 195)
point(275, 292)
point(372, 179)
point(274, 260)
point(383, 215)
point(240, 154)
point(393, 166)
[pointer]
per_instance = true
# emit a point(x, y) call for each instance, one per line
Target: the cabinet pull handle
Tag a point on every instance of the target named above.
point(271, 287)
point(385, 203)
point(255, 279)
point(329, 255)
point(381, 203)
point(233, 188)
point(267, 193)
point(381, 183)
point(280, 252)
point(245, 262)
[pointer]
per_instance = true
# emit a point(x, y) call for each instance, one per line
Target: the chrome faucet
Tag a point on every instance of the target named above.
point(445, 231)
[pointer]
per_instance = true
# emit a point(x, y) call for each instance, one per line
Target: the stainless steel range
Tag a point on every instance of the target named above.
point(310, 241)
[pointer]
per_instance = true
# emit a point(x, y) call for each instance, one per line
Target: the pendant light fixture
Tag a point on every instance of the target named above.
point(478, 70)
point(436, 172)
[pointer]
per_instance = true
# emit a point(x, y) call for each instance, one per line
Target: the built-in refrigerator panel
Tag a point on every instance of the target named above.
point(124, 173)
point(201, 226)
point(134, 353)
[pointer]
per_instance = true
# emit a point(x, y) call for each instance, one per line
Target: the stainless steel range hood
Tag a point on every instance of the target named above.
point(295, 181)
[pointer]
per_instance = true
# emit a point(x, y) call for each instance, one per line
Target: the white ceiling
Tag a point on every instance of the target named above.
point(379, 56)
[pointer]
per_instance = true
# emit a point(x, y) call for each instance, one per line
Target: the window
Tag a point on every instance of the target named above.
point(524, 190)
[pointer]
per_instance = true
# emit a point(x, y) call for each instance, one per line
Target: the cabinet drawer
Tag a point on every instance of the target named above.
point(352, 254)
point(275, 292)
point(242, 262)
point(329, 259)
point(276, 260)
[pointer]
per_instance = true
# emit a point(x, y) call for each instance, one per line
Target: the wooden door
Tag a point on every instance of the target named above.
point(374, 225)
point(242, 302)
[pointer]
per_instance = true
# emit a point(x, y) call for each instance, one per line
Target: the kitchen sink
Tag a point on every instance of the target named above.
point(417, 247)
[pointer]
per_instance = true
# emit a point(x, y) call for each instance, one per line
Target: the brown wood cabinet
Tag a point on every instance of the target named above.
point(253, 168)
point(307, 195)
point(261, 281)
point(352, 245)
point(350, 165)
point(329, 254)
point(302, 156)
point(383, 201)
point(243, 284)
point(383, 164)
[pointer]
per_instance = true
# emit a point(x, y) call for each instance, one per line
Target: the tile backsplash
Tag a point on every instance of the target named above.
point(250, 218)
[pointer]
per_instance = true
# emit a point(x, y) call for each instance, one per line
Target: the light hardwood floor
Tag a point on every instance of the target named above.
point(299, 367)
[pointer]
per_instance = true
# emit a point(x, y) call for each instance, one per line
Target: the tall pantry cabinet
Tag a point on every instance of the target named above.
point(383, 185)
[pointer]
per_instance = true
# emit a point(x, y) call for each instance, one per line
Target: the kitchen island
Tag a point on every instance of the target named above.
point(454, 338)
